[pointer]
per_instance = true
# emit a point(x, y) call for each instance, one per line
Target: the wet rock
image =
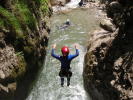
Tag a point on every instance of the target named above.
point(12, 87)
point(2, 42)
point(23, 39)
point(103, 1)
point(113, 8)
point(107, 25)
point(59, 2)
point(9, 63)
point(2, 75)
point(7, 91)
point(112, 75)
point(3, 88)
point(99, 45)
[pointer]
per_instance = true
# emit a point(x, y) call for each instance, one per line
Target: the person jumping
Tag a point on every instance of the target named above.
point(65, 60)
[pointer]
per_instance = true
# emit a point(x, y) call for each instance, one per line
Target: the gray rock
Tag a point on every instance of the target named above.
point(113, 8)
point(3, 89)
point(12, 87)
point(112, 76)
point(107, 25)
point(2, 75)
point(59, 2)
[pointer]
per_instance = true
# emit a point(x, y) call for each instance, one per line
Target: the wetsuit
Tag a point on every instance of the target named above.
point(65, 64)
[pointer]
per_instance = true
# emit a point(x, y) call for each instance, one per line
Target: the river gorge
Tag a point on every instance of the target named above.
point(102, 29)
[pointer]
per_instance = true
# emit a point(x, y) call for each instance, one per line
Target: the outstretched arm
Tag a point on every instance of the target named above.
point(53, 52)
point(77, 51)
point(76, 54)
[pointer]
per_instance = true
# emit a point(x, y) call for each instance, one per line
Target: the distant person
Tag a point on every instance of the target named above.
point(81, 3)
point(65, 24)
point(61, 4)
point(65, 60)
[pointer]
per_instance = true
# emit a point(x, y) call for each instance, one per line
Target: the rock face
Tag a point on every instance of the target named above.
point(108, 68)
point(23, 40)
point(59, 2)
point(107, 25)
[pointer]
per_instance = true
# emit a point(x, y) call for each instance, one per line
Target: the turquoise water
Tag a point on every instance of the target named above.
point(47, 86)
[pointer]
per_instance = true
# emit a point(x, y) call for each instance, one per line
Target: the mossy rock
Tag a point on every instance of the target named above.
point(31, 42)
point(21, 69)
point(28, 50)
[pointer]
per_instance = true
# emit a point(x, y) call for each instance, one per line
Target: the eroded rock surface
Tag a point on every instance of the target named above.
point(23, 41)
point(59, 2)
point(108, 70)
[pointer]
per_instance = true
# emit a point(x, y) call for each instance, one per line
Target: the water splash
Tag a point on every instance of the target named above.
point(72, 4)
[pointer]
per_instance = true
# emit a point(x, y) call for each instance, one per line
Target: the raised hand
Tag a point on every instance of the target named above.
point(76, 46)
point(54, 46)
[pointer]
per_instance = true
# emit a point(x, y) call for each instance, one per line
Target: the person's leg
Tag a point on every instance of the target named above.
point(61, 77)
point(68, 81)
point(68, 77)
point(62, 81)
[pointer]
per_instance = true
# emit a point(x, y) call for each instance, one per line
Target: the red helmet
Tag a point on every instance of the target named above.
point(65, 50)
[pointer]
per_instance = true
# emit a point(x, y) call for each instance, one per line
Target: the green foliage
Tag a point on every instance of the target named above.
point(25, 16)
point(20, 53)
point(28, 50)
point(21, 69)
point(8, 19)
point(41, 1)
point(20, 20)
point(1, 23)
point(21, 17)
point(43, 5)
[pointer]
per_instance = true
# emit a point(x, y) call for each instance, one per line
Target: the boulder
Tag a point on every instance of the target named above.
point(114, 7)
point(59, 2)
point(108, 67)
point(107, 25)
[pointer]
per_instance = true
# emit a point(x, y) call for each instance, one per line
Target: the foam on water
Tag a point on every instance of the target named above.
point(73, 4)
point(70, 5)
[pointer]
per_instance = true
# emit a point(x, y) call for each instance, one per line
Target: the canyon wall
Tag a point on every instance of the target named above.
point(108, 65)
point(24, 32)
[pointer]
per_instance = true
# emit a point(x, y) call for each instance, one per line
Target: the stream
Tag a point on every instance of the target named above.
point(47, 85)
